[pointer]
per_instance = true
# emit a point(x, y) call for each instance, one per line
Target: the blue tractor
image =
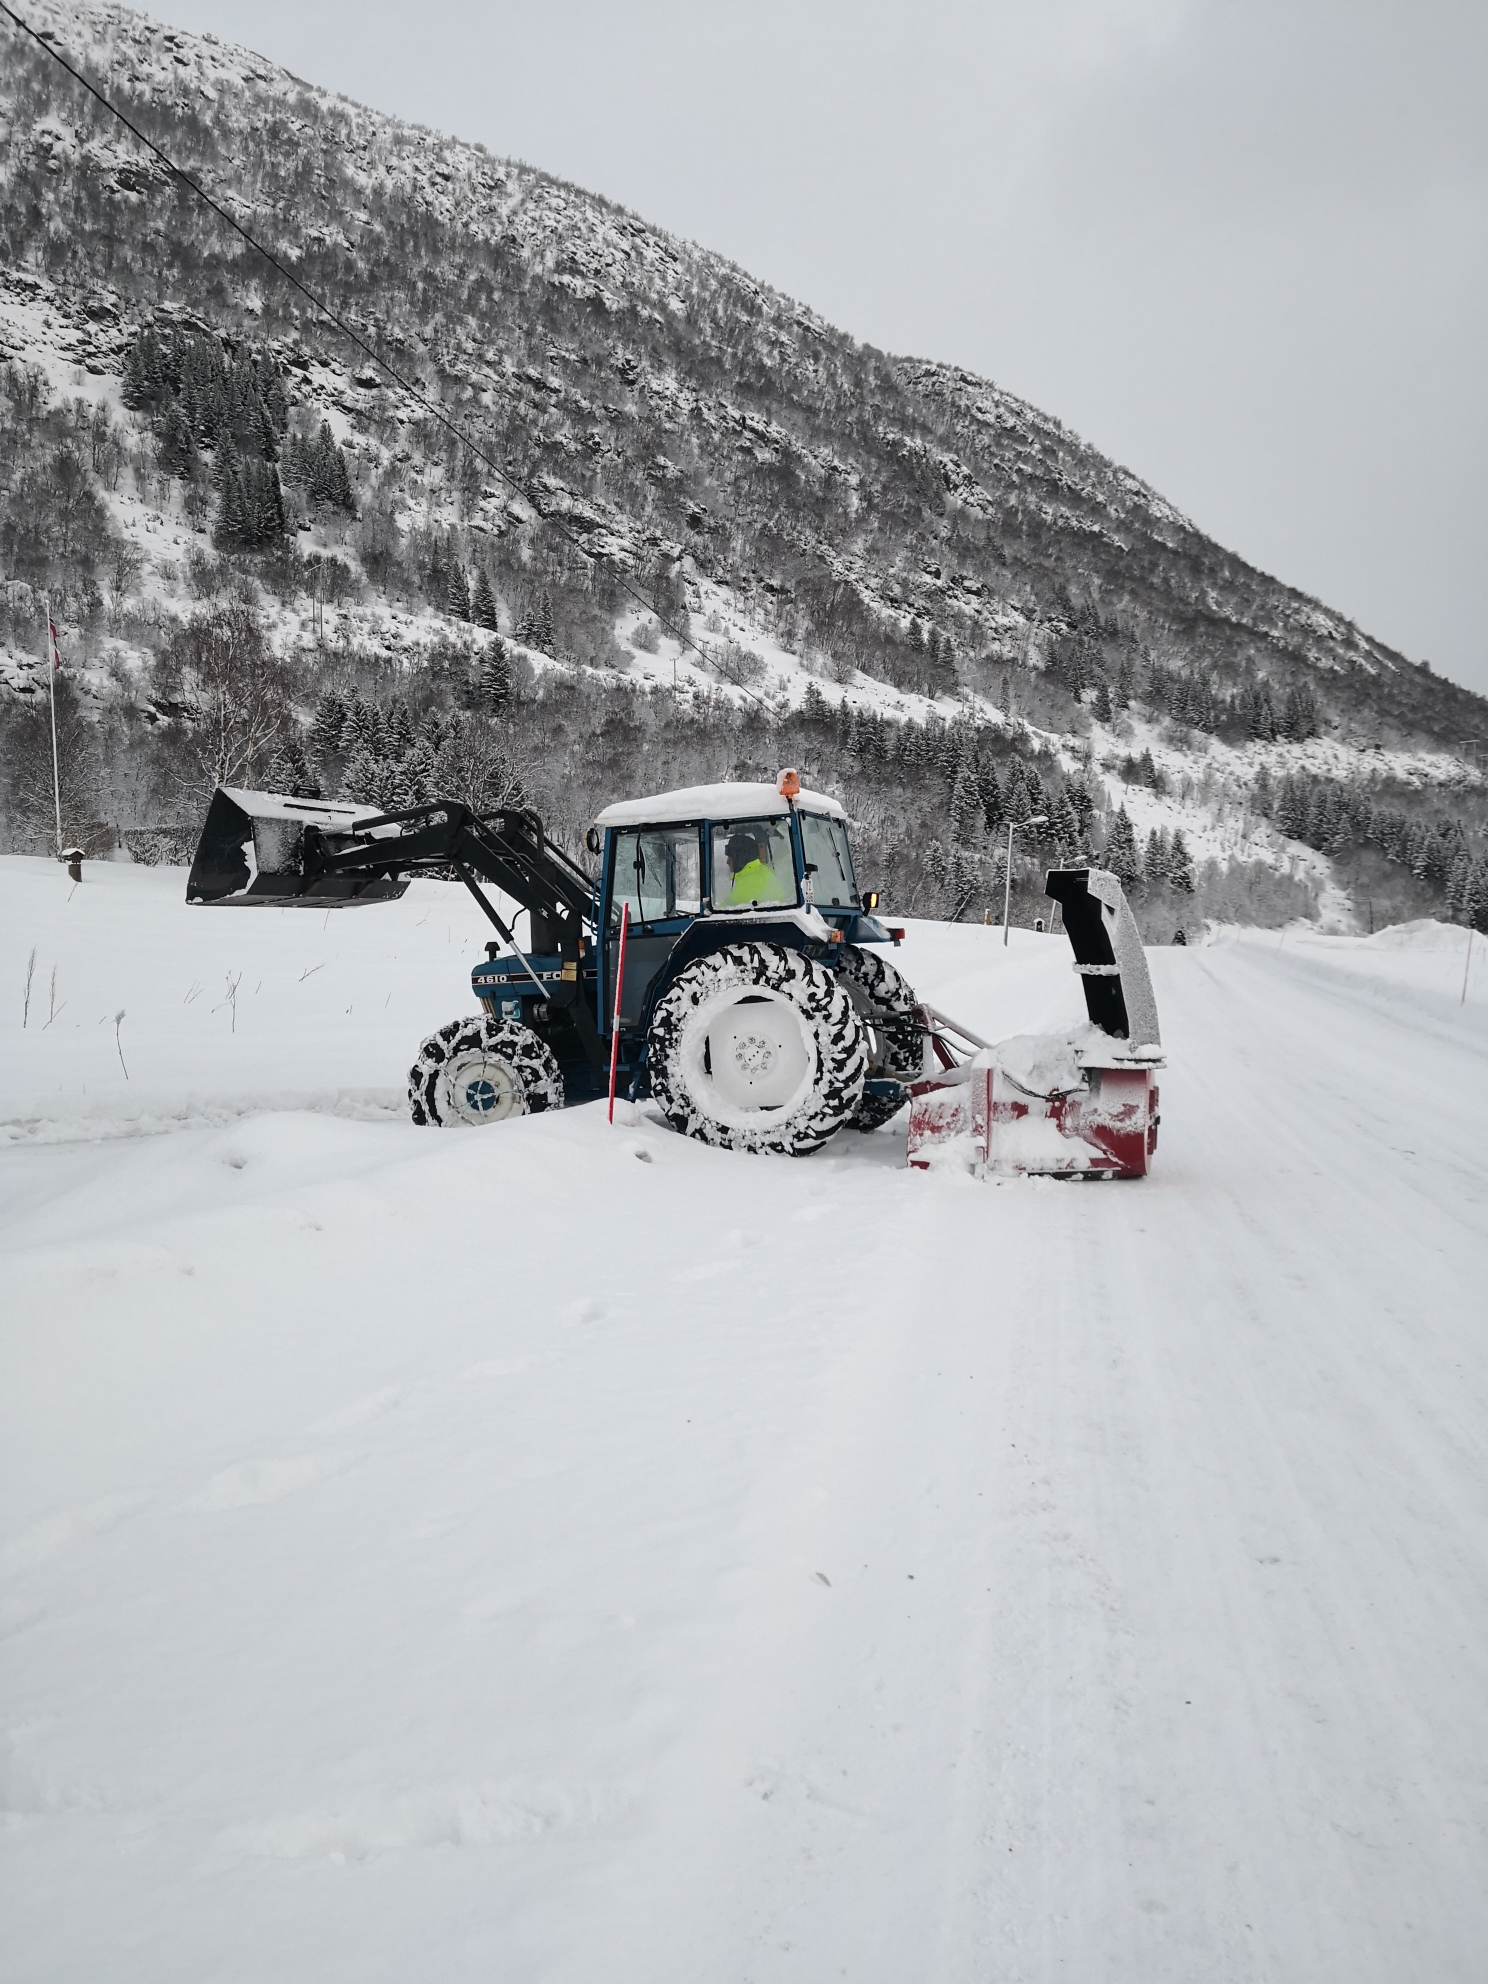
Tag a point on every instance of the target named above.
point(749, 1004)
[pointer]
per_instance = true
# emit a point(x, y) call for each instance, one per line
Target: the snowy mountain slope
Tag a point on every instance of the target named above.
point(378, 175)
point(564, 1552)
point(895, 538)
point(327, 178)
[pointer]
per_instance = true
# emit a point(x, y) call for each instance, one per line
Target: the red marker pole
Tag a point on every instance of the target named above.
point(619, 989)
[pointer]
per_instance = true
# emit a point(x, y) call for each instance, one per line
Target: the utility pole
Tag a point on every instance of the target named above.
point(54, 662)
point(1033, 820)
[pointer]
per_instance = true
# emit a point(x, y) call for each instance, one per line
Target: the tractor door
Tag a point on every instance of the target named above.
point(658, 872)
point(830, 881)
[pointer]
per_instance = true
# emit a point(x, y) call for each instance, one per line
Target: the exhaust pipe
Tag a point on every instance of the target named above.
point(266, 850)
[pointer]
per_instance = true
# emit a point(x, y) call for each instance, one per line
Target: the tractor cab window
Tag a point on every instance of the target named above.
point(829, 869)
point(658, 872)
point(753, 867)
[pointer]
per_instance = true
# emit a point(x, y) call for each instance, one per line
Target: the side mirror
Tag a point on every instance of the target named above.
point(870, 899)
point(594, 840)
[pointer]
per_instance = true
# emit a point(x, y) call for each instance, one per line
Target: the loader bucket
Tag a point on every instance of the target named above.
point(264, 849)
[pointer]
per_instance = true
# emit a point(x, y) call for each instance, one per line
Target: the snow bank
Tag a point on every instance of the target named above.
point(1425, 934)
point(223, 1009)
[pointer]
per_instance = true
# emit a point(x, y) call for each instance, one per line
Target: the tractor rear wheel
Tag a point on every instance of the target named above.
point(876, 1110)
point(482, 1071)
point(757, 1048)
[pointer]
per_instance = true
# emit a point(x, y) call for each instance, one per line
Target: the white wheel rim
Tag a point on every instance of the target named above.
point(751, 1053)
point(479, 1088)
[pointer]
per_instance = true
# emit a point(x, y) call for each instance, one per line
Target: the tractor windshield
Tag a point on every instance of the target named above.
point(829, 869)
point(657, 871)
point(753, 867)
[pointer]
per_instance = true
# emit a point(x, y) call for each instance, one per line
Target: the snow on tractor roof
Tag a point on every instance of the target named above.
point(735, 801)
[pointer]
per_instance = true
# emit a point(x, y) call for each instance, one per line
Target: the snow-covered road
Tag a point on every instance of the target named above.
point(561, 1553)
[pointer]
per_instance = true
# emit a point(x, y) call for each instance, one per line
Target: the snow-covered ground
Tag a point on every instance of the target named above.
point(563, 1553)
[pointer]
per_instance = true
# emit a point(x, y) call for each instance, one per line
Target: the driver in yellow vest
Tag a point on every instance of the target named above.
point(752, 880)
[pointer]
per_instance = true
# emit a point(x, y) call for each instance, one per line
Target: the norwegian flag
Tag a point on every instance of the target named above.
point(56, 646)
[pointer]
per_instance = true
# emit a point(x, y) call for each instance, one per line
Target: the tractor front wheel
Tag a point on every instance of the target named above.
point(482, 1071)
point(757, 1048)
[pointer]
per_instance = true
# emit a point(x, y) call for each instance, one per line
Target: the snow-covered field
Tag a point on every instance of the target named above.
point(563, 1553)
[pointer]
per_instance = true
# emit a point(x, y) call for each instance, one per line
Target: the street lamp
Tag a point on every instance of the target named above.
point(1033, 820)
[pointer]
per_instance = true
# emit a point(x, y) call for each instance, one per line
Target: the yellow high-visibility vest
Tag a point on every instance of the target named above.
point(755, 883)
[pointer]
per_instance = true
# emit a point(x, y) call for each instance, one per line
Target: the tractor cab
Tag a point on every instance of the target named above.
point(767, 859)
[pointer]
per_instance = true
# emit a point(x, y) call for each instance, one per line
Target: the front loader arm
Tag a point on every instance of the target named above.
point(265, 848)
point(508, 850)
point(268, 849)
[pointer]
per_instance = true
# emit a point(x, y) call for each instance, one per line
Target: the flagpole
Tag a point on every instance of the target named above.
point(51, 654)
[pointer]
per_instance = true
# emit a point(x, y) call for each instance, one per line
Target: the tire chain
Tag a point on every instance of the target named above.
point(817, 994)
point(888, 1005)
point(876, 1110)
point(884, 984)
point(527, 1055)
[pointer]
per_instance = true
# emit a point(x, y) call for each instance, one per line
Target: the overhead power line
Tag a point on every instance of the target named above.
point(406, 385)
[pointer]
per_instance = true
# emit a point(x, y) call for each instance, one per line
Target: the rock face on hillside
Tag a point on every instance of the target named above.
point(673, 454)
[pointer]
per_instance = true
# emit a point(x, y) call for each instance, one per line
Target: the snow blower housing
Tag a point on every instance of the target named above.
point(1081, 1104)
point(724, 958)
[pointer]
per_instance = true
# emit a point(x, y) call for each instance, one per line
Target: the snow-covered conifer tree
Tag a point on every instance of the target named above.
point(966, 805)
point(544, 636)
point(1064, 825)
point(369, 778)
point(398, 728)
point(483, 601)
point(1015, 804)
point(1180, 865)
point(289, 770)
point(1155, 860)
point(495, 677)
point(326, 727)
point(228, 529)
point(362, 730)
point(1121, 855)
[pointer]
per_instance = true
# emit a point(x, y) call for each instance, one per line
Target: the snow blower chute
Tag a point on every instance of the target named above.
point(1078, 1104)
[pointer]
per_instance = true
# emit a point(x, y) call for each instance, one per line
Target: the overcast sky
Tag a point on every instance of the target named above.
point(1239, 245)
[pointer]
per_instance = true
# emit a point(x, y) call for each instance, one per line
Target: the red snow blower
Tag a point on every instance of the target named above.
point(1078, 1104)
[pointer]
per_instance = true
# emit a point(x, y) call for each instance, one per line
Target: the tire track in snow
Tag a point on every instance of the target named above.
point(1170, 1713)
